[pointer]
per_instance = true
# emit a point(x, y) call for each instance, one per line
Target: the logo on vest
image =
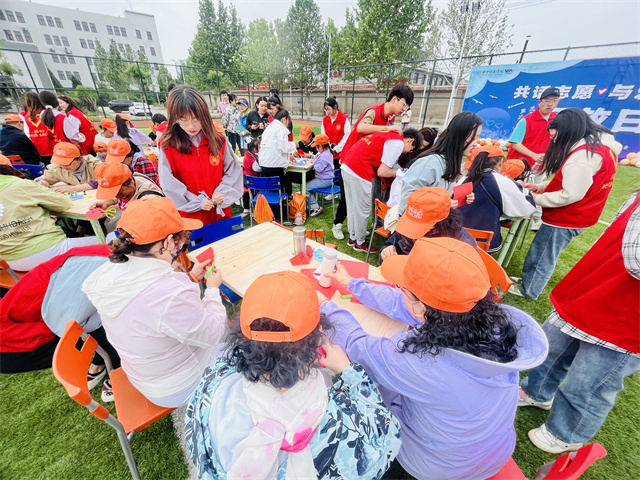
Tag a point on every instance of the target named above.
point(414, 212)
point(338, 127)
point(214, 160)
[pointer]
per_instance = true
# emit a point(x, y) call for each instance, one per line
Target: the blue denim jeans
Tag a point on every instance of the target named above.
point(592, 376)
point(317, 183)
point(542, 257)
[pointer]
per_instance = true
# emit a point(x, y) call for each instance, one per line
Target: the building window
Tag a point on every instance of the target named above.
point(55, 58)
point(93, 27)
point(40, 20)
point(64, 59)
point(27, 36)
point(20, 17)
point(69, 74)
point(83, 43)
point(149, 37)
point(123, 31)
point(153, 51)
point(77, 75)
point(109, 30)
point(56, 40)
point(47, 38)
point(72, 60)
point(90, 62)
point(10, 16)
point(141, 48)
point(65, 41)
point(91, 45)
point(77, 24)
point(50, 21)
point(85, 26)
point(61, 75)
point(58, 22)
point(116, 30)
point(138, 34)
point(18, 36)
point(8, 34)
point(2, 17)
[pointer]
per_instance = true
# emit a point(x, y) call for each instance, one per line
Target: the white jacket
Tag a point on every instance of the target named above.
point(154, 317)
point(275, 147)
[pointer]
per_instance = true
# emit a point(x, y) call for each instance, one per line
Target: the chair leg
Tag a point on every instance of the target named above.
point(250, 208)
point(524, 235)
point(374, 224)
point(126, 447)
point(281, 214)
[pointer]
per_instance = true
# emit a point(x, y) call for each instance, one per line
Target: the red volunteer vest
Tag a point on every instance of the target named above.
point(335, 130)
point(598, 295)
point(86, 128)
point(40, 135)
point(536, 138)
point(585, 212)
point(354, 136)
point(365, 156)
point(22, 328)
point(199, 171)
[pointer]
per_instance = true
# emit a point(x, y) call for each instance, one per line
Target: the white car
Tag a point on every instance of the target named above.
point(139, 108)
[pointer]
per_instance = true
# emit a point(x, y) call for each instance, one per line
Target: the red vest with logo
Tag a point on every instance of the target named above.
point(365, 156)
point(199, 171)
point(335, 129)
point(86, 128)
point(598, 295)
point(536, 138)
point(354, 136)
point(585, 212)
point(22, 328)
point(40, 135)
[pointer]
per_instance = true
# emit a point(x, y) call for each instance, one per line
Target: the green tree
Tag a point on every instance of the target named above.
point(75, 82)
point(54, 81)
point(112, 71)
point(140, 72)
point(164, 78)
point(264, 49)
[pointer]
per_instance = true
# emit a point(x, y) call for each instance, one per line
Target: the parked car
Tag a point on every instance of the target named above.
point(139, 108)
point(120, 105)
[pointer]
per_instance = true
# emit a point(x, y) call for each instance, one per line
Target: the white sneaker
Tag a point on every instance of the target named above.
point(535, 225)
point(93, 379)
point(514, 290)
point(328, 198)
point(542, 438)
point(525, 400)
point(336, 230)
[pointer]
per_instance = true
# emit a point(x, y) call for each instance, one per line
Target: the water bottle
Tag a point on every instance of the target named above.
point(329, 259)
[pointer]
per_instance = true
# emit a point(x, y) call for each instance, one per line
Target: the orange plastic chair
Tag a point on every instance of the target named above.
point(17, 159)
point(497, 276)
point(379, 212)
point(482, 237)
point(317, 235)
point(569, 466)
point(8, 276)
point(134, 412)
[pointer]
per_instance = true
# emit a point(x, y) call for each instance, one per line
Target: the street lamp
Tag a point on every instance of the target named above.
point(329, 36)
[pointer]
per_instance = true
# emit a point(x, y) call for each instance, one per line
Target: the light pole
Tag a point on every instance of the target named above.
point(329, 63)
point(524, 49)
point(474, 7)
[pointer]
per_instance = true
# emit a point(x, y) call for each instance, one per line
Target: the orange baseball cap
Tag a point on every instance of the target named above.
point(12, 117)
point(100, 147)
point(124, 116)
point(442, 272)
point(305, 133)
point(151, 219)
point(425, 207)
point(117, 150)
point(64, 153)
point(219, 128)
point(108, 124)
point(4, 160)
point(289, 298)
point(322, 139)
point(110, 177)
point(492, 150)
point(512, 168)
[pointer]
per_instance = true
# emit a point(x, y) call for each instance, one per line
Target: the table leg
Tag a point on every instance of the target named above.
point(303, 186)
point(97, 229)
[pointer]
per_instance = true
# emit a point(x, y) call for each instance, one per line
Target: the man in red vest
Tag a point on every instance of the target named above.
point(530, 139)
point(372, 156)
point(594, 338)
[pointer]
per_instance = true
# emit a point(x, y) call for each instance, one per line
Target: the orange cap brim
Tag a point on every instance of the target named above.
point(392, 269)
point(107, 193)
point(410, 228)
point(191, 224)
point(111, 129)
point(61, 161)
point(115, 158)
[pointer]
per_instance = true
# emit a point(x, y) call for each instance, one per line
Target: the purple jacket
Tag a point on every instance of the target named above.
point(323, 165)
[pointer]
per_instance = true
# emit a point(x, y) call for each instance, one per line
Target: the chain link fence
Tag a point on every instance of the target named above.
point(96, 83)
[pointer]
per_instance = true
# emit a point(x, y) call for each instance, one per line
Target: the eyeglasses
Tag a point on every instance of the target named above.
point(189, 122)
point(550, 101)
point(405, 107)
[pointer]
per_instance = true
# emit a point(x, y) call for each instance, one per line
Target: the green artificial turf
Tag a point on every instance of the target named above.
point(46, 435)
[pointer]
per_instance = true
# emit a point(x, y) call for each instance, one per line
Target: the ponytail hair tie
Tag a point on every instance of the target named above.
point(48, 106)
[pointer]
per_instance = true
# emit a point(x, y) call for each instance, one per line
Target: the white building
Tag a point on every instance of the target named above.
point(62, 40)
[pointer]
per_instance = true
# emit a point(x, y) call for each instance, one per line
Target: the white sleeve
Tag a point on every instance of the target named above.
point(515, 202)
point(347, 132)
point(72, 128)
point(322, 127)
point(391, 152)
point(282, 139)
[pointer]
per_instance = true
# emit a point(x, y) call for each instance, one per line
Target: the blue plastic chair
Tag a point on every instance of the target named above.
point(332, 190)
point(36, 170)
point(212, 233)
point(267, 186)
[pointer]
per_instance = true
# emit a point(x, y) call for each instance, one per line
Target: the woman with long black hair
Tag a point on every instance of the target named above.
point(584, 157)
point(126, 131)
point(64, 128)
point(69, 107)
point(41, 135)
point(258, 119)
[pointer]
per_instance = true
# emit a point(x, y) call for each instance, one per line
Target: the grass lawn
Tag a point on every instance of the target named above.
point(46, 435)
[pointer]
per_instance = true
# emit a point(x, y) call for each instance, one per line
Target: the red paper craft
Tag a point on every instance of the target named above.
point(94, 213)
point(301, 258)
point(356, 269)
point(461, 192)
point(206, 255)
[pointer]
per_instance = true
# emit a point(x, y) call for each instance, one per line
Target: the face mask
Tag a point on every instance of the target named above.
point(177, 251)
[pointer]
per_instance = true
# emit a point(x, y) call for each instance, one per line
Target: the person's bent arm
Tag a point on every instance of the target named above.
point(176, 190)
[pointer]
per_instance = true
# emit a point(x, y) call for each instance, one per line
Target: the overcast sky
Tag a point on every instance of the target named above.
point(551, 23)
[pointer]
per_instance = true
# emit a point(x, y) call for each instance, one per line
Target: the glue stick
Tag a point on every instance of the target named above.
point(329, 258)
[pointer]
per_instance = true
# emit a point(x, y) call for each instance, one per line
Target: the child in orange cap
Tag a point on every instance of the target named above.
point(127, 152)
point(428, 214)
point(125, 131)
point(495, 194)
point(154, 316)
point(101, 151)
point(305, 141)
point(323, 166)
point(286, 423)
point(452, 380)
point(69, 166)
point(107, 128)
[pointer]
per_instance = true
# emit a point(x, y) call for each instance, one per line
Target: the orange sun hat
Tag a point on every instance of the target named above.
point(287, 297)
point(12, 117)
point(322, 139)
point(100, 147)
point(117, 150)
point(492, 150)
point(513, 167)
point(442, 272)
point(110, 177)
point(108, 124)
point(152, 219)
point(64, 153)
point(425, 207)
point(305, 133)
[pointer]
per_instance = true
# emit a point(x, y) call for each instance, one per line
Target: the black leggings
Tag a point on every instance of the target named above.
point(285, 180)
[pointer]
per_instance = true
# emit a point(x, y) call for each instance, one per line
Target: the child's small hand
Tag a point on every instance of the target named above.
point(335, 360)
point(215, 278)
point(341, 274)
point(454, 203)
point(471, 197)
point(388, 251)
point(199, 269)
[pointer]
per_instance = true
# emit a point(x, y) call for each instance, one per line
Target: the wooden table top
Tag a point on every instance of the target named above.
point(81, 206)
point(267, 248)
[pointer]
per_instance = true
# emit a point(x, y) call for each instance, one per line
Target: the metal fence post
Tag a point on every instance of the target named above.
point(388, 81)
point(424, 114)
point(248, 92)
point(29, 70)
point(95, 85)
point(491, 59)
point(566, 54)
point(182, 74)
point(144, 91)
point(302, 92)
point(353, 92)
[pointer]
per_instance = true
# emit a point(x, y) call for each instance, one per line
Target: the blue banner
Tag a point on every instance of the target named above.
point(607, 89)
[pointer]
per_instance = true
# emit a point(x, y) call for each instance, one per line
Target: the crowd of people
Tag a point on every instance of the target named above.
point(298, 389)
